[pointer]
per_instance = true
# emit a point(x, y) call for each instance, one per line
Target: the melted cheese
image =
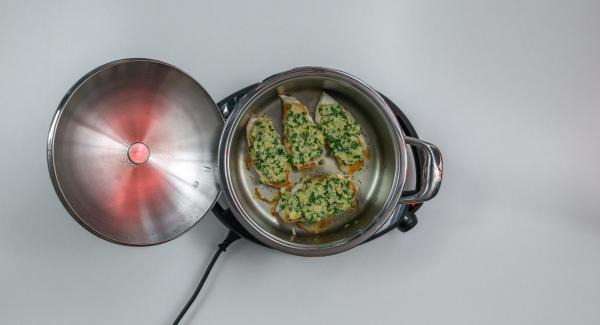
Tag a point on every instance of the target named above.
point(305, 140)
point(342, 134)
point(268, 153)
point(318, 199)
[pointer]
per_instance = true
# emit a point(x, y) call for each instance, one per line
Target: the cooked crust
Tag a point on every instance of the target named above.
point(316, 227)
point(289, 102)
point(249, 126)
point(326, 99)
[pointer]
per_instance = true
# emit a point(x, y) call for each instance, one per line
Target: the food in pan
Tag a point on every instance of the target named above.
point(316, 200)
point(342, 134)
point(302, 137)
point(267, 153)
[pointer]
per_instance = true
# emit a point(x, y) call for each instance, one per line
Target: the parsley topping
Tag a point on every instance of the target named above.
point(268, 152)
point(342, 134)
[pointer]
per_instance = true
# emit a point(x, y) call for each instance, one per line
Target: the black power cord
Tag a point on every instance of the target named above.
point(231, 237)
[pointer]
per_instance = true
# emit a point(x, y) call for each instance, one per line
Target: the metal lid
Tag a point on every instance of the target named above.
point(132, 151)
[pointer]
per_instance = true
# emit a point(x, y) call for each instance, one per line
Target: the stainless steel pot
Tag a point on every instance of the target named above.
point(132, 154)
point(380, 185)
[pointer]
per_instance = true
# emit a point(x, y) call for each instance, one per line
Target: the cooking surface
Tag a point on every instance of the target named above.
point(508, 91)
point(373, 182)
point(249, 181)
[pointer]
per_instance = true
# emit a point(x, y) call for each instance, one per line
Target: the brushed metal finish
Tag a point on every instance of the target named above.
point(432, 167)
point(380, 184)
point(119, 104)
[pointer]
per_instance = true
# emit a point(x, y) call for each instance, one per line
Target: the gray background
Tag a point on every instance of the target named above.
point(509, 90)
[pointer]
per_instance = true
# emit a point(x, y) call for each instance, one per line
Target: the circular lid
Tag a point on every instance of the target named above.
point(132, 151)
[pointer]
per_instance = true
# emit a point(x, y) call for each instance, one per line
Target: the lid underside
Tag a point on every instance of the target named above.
point(132, 152)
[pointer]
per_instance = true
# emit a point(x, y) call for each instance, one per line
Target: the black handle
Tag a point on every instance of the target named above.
point(226, 105)
point(407, 222)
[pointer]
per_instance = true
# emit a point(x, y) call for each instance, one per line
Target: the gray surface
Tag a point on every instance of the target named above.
point(508, 90)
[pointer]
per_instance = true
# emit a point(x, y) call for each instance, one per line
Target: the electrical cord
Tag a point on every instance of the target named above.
point(231, 237)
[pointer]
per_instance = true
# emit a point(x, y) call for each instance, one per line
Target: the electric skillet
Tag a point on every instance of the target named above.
point(138, 153)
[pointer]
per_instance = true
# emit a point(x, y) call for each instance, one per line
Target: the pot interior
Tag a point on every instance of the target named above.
point(381, 176)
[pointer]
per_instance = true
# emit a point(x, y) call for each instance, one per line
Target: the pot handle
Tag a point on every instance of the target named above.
point(432, 166)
